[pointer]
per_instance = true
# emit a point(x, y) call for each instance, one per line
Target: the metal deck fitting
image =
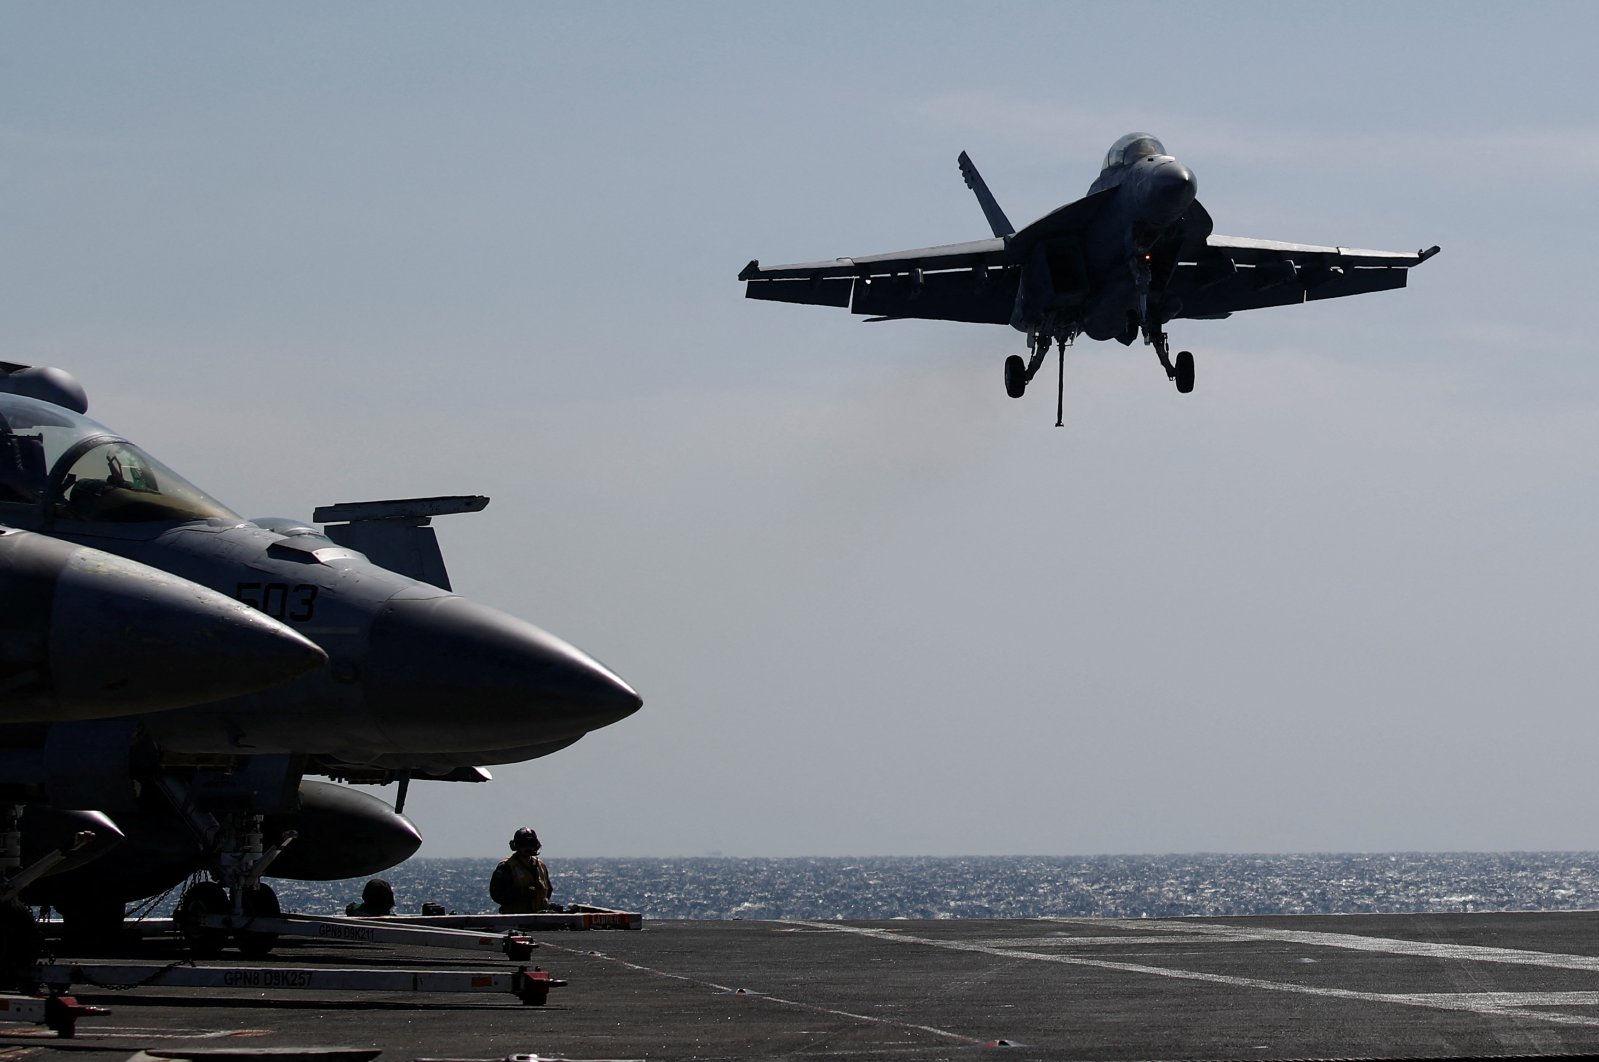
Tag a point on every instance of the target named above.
point(530, 986)
point(59, 1013)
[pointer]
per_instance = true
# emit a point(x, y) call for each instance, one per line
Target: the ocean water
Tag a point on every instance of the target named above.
point(1009, 886)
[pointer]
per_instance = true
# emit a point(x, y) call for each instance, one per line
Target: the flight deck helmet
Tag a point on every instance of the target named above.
point(525, 839)
point(378, 895)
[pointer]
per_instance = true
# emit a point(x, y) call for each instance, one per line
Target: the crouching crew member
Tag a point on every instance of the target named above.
point(376, 899)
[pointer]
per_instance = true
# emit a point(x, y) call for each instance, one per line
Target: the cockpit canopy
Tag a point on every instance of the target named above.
point(72, 468)
point(1130, 148)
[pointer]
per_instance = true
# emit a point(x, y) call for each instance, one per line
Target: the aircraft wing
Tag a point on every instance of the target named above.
point(1232, 273)
point(955, 282)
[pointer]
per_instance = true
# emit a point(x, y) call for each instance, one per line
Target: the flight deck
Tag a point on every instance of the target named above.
point(1292, 987)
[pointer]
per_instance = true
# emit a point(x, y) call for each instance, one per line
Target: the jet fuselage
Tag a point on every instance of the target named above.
point(416, 674)
point(1154, 192)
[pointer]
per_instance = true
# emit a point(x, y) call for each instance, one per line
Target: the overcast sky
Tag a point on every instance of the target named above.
point(1341, 597)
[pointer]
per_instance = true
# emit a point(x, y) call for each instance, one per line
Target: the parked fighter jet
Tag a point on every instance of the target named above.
point(422, 684)
point(86, 635)
point(1135, 253)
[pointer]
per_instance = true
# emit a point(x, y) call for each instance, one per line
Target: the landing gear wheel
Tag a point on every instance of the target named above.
point(21, 944)
point(1185, 371)
point(203, 898)
point(260, 901)
point(1015, 376)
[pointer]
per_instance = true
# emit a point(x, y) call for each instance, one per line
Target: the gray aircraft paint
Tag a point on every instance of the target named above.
point(86, 634)
point(420, 682)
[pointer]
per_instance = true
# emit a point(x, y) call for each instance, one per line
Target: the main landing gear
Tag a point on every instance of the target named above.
point(236, 848)
point(212, 898)
point(1182, 372)
point(1019, 373)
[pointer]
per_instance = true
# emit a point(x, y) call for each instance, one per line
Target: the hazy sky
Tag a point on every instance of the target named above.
point(1341, 597)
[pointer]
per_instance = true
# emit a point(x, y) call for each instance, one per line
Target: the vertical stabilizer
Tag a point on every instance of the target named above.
point(974, 180)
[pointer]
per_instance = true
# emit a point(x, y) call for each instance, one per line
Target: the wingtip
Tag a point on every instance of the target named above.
point(1422, 256)
point(751, 271)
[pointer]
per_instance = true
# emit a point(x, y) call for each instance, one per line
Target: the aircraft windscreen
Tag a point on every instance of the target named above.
point(1131, 148)
point(83, 471)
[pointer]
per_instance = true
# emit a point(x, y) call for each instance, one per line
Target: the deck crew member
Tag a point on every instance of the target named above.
point(377, 899)
point(521, 883)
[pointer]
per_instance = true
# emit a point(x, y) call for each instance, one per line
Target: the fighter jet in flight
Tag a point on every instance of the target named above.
point(421, 684)
point(1136, 252)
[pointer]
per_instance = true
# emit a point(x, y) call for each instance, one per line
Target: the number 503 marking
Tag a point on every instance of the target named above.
point(295, 603)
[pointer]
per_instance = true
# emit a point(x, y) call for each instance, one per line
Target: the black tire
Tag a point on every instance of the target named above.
point(259, 901)
point(203, 898)
point(1015, 376)
point(1185, 371)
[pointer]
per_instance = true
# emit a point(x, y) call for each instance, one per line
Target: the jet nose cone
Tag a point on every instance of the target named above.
point(1180, 179)
point(125, 638)
point(446, 674)
point(1172, 188)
